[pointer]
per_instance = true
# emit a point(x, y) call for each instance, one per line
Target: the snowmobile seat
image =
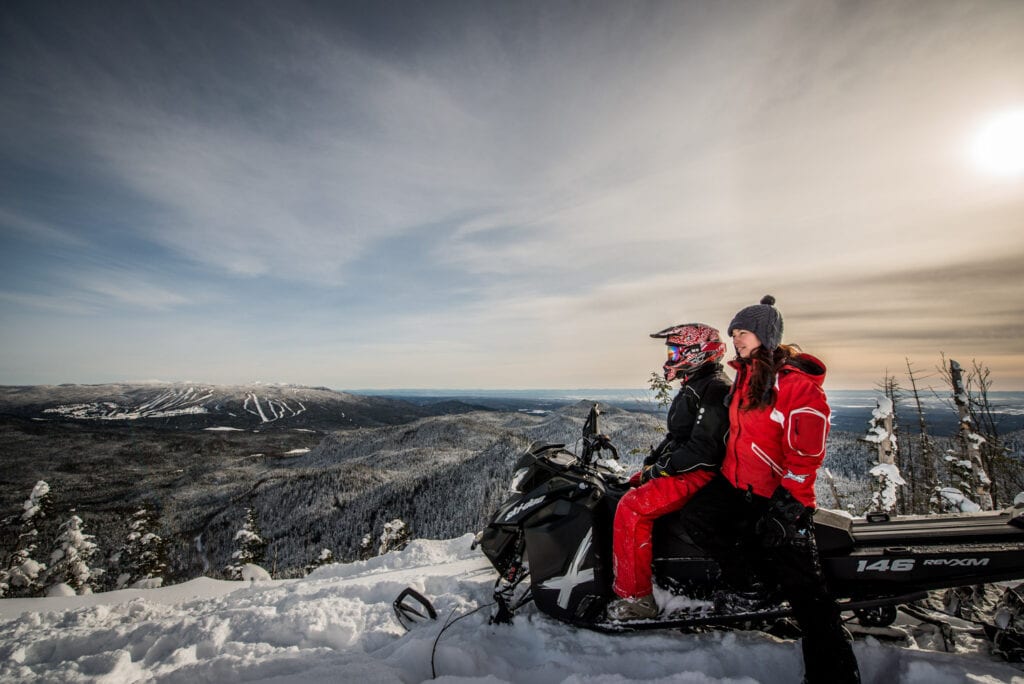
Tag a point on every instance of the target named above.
point(833, 531)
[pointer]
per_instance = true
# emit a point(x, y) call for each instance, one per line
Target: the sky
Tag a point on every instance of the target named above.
point(504, 194)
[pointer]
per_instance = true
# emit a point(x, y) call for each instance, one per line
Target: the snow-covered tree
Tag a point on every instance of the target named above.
point(326, 557)
point(366, 547)
point(885, 471)
point(69, 562)
point(24, 571)
point(142, 561)
point(1000, 464)
point(395, 537)
point(952, 500)
point(249, 546)
point(975, 480)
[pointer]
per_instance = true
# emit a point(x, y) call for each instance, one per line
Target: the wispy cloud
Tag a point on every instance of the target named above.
point(522, 176)
point(38, 231)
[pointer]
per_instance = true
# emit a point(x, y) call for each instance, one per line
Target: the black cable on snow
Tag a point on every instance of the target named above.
point(448, 623)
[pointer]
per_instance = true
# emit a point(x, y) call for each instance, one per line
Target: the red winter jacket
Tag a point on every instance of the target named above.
point(780, 444)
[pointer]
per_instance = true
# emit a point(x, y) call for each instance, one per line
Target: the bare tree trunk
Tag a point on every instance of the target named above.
point(922, 491)
point(970, 440)
point(984, 418)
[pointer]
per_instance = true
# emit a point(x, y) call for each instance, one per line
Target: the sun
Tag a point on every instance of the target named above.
point(998, 146)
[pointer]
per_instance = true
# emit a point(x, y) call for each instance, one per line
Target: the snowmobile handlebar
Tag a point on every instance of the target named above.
point(593, 440)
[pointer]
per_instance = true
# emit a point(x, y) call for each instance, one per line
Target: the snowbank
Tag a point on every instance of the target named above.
point(337, 625)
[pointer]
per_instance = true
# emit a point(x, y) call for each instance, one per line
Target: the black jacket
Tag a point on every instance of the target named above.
point(698, 421)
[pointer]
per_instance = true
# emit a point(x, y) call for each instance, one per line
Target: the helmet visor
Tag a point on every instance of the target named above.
point(676, 352)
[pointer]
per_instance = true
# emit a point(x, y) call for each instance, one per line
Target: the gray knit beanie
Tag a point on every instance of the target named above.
point(763, 319)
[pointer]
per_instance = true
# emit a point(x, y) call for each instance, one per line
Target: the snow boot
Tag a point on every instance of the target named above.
point(639, 608)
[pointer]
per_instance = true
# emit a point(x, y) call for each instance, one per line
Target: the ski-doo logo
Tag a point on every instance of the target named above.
point(524, 506)
point(957, 562)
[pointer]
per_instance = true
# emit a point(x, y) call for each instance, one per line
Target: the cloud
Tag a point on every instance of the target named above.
point(37, 230)
point(91, 290)
point(545, 181)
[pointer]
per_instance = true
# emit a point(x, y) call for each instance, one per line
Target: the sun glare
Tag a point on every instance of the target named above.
point(998, 146)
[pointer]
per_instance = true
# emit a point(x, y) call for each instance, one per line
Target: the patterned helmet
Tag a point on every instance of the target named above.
point(690, 346)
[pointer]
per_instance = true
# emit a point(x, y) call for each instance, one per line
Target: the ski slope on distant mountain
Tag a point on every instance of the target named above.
point(169, 403)
point(275, 409)
point(336, 625)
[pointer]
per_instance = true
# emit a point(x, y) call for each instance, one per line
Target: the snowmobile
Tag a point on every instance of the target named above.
point(550, 542)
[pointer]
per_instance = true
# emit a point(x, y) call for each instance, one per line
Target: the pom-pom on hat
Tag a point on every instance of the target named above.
point(763, 319)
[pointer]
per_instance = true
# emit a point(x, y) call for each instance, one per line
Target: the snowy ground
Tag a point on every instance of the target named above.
point(336, 626)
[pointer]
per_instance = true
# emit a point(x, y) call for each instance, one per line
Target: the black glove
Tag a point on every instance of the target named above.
point(662, 467)
point(786, 522)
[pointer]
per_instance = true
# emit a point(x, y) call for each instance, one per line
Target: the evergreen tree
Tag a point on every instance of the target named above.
point(24, 572)
point(143, 558)
point(975, 481)
point(1005, 471)
point(69, 563)
point(395, 537)
point(366, 547)
point(250, 546)
point(882, 433)
point(326, 557)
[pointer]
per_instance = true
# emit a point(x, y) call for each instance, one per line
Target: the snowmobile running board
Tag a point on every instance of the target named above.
point(674, 621)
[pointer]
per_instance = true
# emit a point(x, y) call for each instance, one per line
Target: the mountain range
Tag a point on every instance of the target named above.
point(321, 469)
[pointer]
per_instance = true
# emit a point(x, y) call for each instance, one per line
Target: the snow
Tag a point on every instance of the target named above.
point(60, 589)
point(223, 428)
point(889, 478)
point(958, 501)
point(276, 407)
point(883, 408)
point(337, 625)
point(254, 573)
point(33, 504)
point(168, 404)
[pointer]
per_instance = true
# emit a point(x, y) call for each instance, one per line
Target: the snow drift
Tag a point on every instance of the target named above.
point(336, 625)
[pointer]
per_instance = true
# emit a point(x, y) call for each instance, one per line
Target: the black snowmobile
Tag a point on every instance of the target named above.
point(550, 542)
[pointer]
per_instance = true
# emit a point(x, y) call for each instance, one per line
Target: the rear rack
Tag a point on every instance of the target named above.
point(970, 527)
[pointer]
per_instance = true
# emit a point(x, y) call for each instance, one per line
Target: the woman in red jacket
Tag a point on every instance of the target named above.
point(756, 516)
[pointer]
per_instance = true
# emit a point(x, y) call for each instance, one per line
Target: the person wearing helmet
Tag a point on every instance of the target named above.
point(757, 514)
point(683, 463)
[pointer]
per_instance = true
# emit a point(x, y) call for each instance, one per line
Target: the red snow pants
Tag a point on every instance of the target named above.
point(632, 551)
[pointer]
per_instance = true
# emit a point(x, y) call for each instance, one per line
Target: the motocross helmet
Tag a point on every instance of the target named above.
point(690, 346)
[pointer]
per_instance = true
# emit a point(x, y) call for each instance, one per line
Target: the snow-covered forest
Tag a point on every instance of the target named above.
point(370, 498)
point(441, 476)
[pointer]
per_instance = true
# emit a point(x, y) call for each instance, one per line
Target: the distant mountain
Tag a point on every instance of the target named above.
point(443, 475)
point(321, 469)
point(106, 450)
point(197, 406)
